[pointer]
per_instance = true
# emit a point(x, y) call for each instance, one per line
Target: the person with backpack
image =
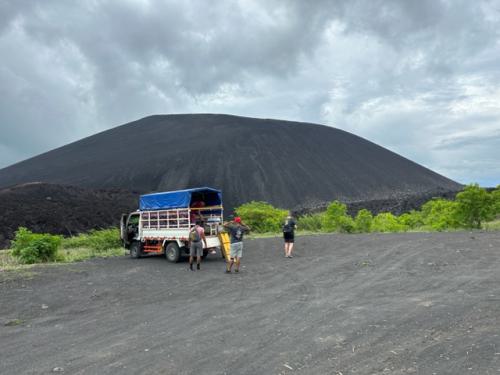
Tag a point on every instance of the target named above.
point(236, 230)
point(289, 234)
point(196, 236)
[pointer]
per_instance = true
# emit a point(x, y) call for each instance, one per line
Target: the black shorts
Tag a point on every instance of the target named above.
point(289, 237)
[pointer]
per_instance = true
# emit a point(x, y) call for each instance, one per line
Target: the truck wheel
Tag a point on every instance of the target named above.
point(135, 249)
point(172, 252)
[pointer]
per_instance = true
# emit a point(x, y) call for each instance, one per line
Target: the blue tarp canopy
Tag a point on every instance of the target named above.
point(180, 198)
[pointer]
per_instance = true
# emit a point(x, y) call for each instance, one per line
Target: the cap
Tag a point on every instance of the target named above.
point(237, 219)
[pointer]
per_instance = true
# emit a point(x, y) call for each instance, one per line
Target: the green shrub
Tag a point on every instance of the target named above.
point(104, 239)
point(336, 218)
point(412, 219)
point(97, 240)
point(261, 216)
point(495, 196)
point(333, 215)
point(346, 225)
point(439, 214)
point(311, 222)
point(474, 205)
point(363, 221)
point(31, 247)
point(387, 222)
point(75, 242)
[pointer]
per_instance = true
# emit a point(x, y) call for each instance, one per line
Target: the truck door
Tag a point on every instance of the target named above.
point(123, 228)
point(132, 228)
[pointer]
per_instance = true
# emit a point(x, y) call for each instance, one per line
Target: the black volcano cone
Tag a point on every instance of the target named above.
point(287, 164)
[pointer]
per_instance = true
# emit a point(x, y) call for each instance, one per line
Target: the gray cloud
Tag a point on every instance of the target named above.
point(420, 78)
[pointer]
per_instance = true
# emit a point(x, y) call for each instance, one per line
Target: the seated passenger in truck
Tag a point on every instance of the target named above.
point(196, 215)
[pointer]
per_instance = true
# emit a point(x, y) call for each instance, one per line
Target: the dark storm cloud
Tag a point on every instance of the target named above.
point(391, 71)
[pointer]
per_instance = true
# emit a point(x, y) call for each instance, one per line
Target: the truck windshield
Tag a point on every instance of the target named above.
point(133, 219)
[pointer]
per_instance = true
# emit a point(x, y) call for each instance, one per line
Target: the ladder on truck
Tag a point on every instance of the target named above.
point(225, 245)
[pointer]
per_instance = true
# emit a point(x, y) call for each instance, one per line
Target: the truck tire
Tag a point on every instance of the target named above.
point(172, 252)
point(135, 249)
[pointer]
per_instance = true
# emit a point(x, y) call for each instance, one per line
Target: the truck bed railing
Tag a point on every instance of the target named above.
point(182, 218)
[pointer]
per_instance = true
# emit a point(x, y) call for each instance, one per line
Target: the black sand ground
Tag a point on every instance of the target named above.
point(346, 304)
point(287, 164)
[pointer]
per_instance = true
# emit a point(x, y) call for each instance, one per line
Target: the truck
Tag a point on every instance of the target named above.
point(162, 224)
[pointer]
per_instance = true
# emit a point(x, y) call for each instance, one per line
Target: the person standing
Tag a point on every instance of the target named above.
point(289, 234)
point(196, 236)
point(236, 229)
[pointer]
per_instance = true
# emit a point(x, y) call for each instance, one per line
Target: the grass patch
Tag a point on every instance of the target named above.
point(96, 244)
point(253, 236)
point(10, 263)
point(11, 268)
point(79, 254)
point(7, 261)
point(98, 240)
point(298, 233)
point(492, 225)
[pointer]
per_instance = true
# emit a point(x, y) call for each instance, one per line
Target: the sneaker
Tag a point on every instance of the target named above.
point(198, 266)
point(236, 270)
point(228, 271)
point(191, 267)
point(290, 256)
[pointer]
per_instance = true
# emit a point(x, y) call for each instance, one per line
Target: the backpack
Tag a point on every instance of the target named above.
point(288, 227)
point(194, 235)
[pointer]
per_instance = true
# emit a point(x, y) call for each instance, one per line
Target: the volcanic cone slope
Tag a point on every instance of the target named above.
point(284, 163)
point(59, 209)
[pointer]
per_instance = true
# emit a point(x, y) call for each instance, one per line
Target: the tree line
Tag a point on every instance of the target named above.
point(471, 208)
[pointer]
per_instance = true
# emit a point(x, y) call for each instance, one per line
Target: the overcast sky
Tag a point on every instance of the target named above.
point(419, 77)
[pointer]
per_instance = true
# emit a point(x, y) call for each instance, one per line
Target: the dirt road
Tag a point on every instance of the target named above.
point(346, 304)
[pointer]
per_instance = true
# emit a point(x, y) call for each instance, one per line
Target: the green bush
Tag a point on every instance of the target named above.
point(439, 214)
point(104, 239)
point(411, 220)
point(31, 247)
point(363, 221)
point(495, 196)
point(97, 240)
point(474, 205)
point(75, 242)
point(336, 219)
point(311, 222)
point(387, 222)
point(261, 216)
point(346, 225)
